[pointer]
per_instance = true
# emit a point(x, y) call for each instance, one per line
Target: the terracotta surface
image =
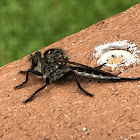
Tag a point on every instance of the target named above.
point(62, 111)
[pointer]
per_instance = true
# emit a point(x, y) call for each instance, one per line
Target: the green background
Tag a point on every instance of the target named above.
point(29, 25)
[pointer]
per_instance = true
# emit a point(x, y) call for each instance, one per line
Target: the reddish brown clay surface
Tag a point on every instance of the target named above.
point(62, 112)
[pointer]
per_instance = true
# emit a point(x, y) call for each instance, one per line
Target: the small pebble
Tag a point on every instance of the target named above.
point(84, 129)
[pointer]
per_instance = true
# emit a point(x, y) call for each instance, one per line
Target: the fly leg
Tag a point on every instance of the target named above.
point(79, 86)
point(131, 66)
point(32, 96)
point(27, 76)
point(100, 66)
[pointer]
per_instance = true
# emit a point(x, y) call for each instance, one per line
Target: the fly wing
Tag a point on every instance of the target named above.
point(87, 71)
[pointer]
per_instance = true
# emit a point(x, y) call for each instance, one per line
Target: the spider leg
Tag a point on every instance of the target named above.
point(27, 75)
point(32, 96)
point(79, 86)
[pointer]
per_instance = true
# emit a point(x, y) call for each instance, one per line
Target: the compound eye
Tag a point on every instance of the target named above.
point(35, 61)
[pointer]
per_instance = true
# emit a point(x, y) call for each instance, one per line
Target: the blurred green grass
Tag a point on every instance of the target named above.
point(27, 26)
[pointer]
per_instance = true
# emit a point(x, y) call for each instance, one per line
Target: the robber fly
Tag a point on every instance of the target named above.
point(54, 66)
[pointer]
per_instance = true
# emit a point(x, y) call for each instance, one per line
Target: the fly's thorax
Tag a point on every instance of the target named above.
point(55, 71)
point(55, 55)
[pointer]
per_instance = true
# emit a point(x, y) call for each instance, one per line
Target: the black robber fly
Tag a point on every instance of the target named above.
point(54, 66)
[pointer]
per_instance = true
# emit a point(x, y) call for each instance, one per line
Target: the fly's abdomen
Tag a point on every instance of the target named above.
point(96, 74)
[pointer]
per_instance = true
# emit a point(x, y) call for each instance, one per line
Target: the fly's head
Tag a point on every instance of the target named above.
point(55, 56)
point(36, 61)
